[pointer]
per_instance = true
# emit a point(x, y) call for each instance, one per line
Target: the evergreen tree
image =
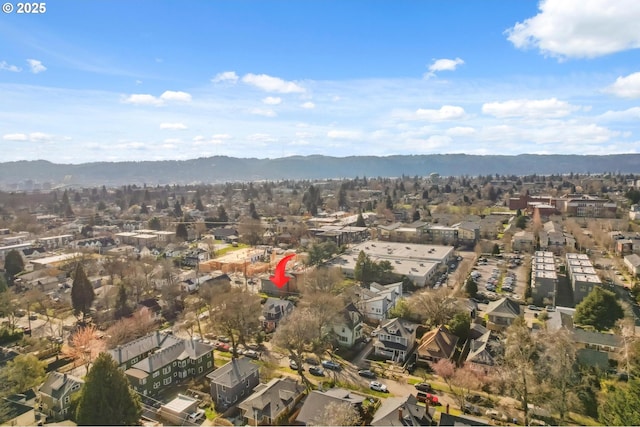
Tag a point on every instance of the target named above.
point(360, 221)
point(222, 214)
point(122, 309)
point(182, 232)
point(13, 264)
point(106, 398)
point(154, 224)
point(599, 309)
point(144, 210)
point(621, 407)
point(177, 209)
point(199, 205)
point(471, 287)
point(82, 294)
point(416, 215)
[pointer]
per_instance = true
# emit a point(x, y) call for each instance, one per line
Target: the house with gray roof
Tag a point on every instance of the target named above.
point(502, 313)
point(270, 403)
point(54, 395)
point(17, 414)
point(273, 311)
point(395, 340)
point(160, 359)
point(402, 411)
point(316, 402)
point(348, 326)
point(233, 382)
point(483, 352)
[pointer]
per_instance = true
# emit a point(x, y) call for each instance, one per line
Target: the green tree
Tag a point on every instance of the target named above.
point(460, 326)
point(106, 398)
point(495, 250)
point(181, 231)
point(199, 205)
point(416, 215)
point(13, 264)
point(3, 284)
point(599, 309)
point(154, 224)
point(521, 222)
point(23, 373)
point(222, 214)
point(471, 287)
point(621, 405)
point(82, 293)
point(312, 200)
point(401, 309)
point(122, 308)
point(360, 221)
point(177, 209)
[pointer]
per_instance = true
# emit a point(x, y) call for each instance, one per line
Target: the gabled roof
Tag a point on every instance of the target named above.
point(350, 316)
point(402, 411)
point(316, 402)
point(58, 385)
point(272, 398)
point(232, 373)
point(13, 410)
point(504, 307)
point(184, 349)
point(460, 420)
point(438, 343)
point(276, 306)
point(135, 348)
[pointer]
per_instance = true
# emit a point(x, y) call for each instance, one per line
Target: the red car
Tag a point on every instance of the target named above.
point(429, 398)
point(223, 347)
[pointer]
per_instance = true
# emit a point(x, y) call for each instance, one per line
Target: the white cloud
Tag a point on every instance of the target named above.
point(626, 87)
point(271, 84)
point(579, 28)
point(272, 100)
point(443, 65)
point(142, 99)
point(221, 136)
point(225, 77)
point(308, 105)
point(446, 112)
point(15, 137)
point(344, 134)
point(535, 108)
point(304, 135)
point(32, 137)
point(173, 126)
point(263, 112)
point(460, 131)
point(8, 67)
point(178, 96)
point(172, 141)
point(36, 66)
point(167, 96)
point(261, 137)
point(625, 115)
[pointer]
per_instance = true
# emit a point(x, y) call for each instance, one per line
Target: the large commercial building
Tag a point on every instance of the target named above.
point(418, 262)
point(544, 281)
point(582, 275)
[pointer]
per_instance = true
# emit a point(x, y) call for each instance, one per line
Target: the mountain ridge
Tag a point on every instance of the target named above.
point(224, 168)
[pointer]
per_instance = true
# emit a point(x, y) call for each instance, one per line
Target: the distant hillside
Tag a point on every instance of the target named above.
point(220, 169)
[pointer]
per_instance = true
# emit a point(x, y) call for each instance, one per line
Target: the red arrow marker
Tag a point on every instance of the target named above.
point(279, 278)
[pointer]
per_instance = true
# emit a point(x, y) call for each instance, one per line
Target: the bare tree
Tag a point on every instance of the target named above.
point(559, 377)
point(435, 307)
point(521, 350)
point(297, 334)
point(236, 314)
point(323, 279)
point(337, 414)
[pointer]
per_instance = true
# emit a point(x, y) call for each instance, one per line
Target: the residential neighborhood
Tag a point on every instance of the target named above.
point(415, 312)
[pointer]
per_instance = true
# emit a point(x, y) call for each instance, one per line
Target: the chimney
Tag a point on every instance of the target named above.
point(400, 414)
point(447, 408)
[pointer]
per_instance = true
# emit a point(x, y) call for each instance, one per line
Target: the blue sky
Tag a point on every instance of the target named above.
point(155, 80)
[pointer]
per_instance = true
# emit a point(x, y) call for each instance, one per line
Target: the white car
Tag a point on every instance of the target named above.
point(377, 386)
point(196, 416)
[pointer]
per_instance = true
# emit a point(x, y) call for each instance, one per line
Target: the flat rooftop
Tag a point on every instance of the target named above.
point(395, 250)
point(587, 278)
point(180, 404)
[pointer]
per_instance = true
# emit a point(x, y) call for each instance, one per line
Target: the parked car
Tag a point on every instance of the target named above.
point(472, 409)
point(366, 373)
point(223, 339)
point(312, 361)
point(223, 346)
point(196, 416)
point(330, 364)
point(423, 387)
point(432, 399)
point(550, 308)
point(252, 354)
point(317, 371)
point(534, 308)
point(377, 386)
point(481, 299)
point(293, 365)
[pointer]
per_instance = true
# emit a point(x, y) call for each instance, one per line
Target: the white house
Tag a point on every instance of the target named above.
point(374, 303)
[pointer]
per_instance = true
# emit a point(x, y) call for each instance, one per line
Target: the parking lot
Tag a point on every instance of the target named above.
point(499, 277)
